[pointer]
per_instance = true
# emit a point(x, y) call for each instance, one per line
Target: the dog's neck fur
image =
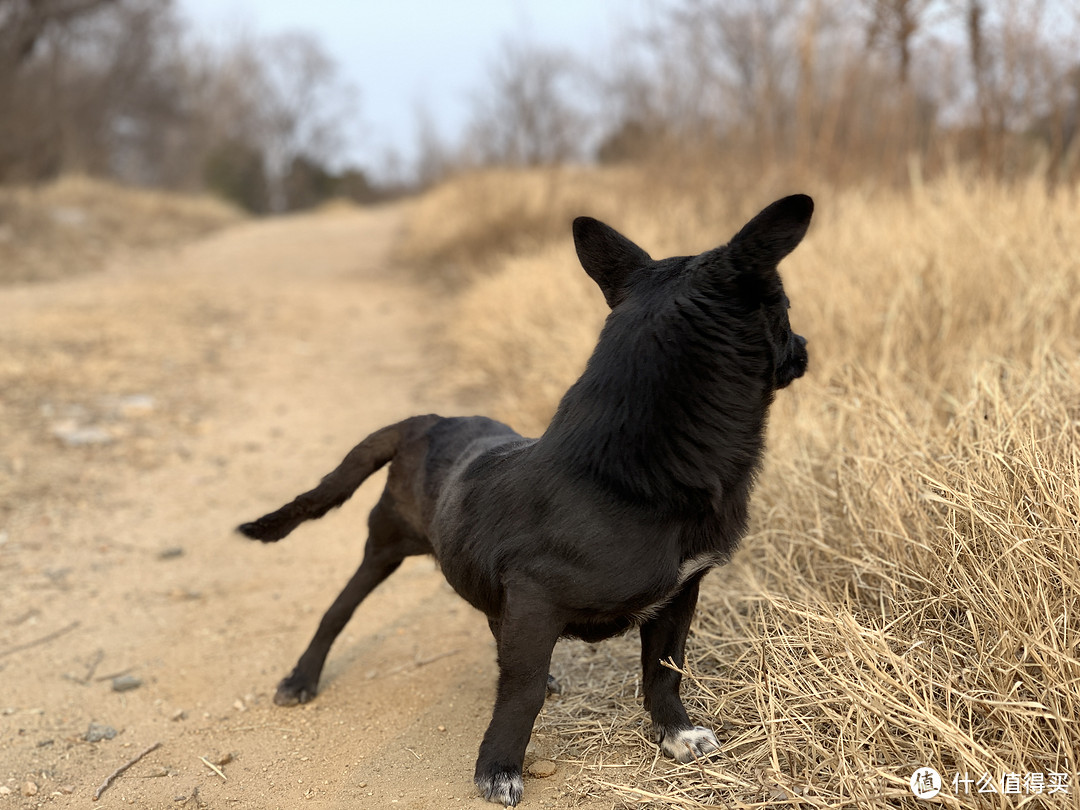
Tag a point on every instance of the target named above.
point(671, 408)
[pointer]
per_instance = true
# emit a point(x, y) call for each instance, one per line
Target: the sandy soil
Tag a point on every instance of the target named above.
point(144, 412)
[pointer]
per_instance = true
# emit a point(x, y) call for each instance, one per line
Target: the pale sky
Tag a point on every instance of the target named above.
point(403, 53)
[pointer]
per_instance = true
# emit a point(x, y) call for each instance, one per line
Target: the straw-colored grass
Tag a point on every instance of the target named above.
point(468, 226)
point(909, 593)
point(75, 224)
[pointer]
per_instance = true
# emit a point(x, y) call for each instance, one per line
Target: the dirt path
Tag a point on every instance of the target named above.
point(146, 411)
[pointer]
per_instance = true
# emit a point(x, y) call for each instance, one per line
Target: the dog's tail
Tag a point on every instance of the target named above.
point(336, 488)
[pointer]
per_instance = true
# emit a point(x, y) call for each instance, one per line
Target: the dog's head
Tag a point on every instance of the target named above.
point(737, 283)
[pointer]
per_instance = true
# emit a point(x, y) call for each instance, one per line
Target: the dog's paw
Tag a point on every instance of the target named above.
point(293, 691)
point(687, 744)
point(503, 787)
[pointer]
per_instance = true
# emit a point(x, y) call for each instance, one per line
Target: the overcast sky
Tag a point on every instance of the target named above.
point(403, 53)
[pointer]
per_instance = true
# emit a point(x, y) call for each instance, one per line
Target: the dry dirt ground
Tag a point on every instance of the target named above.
point(144, 412)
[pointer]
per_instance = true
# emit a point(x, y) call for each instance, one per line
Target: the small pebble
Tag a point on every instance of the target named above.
point(179, 714)
point(6, 791)
point(74, 435)
point(778, 793)
point(125, 683)
point(135, 405)
point(542, 769)
point(98, 732)
point(170, 553)
point(29, 789)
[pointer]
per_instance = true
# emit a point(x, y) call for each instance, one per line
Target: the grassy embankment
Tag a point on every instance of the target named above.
point(909, 593)
point(76, 224)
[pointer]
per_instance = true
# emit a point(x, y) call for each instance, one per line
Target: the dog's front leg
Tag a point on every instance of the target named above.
point(553, 686)
point(663, 638)
point(525, 635)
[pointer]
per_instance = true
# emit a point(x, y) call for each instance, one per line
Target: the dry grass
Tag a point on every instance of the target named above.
point(468, 226)
point(910, 590)
point(75, 224)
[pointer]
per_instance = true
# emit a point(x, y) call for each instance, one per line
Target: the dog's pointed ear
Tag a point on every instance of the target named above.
point(607, 256)
point(771, 235)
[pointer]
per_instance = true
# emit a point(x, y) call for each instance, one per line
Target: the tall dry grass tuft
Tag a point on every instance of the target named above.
point(910, 590)
point(909, 594)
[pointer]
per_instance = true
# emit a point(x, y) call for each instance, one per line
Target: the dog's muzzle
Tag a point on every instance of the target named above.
point(794, 363)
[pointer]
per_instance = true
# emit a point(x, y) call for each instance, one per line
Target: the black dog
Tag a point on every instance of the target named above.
point(609, 520)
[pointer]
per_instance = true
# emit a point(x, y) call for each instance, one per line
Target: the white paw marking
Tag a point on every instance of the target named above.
point(689, 744)
point(502, 788)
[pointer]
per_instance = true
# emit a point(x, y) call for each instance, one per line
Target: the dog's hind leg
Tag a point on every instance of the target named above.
point(663, 638)
point(389, 542)
point(525, 634)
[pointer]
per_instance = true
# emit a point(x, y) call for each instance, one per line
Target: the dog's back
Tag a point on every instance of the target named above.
point(424, 452)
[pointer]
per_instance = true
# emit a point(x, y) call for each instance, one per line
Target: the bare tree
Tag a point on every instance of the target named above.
point(23, 23)
point(303, 108)
point(118, 88)
point(433, 155)
point(1022, 54)
point(975, 26)
point(526, 116)
point(77, 77)
point(896, 23)
point(710, 70)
